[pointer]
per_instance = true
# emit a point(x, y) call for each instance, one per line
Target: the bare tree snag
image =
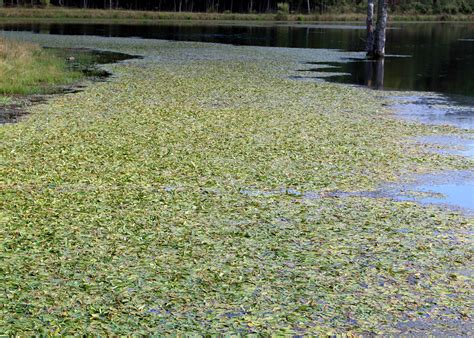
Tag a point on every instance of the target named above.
point(369, 47)
point(381, 28)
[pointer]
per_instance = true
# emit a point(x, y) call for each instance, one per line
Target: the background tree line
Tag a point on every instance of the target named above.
point(260, 6)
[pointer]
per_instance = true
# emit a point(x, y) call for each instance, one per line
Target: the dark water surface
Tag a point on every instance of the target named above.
point(435, 57)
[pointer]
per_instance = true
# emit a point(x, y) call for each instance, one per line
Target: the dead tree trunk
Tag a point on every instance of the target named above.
point(369, 47)
point(380, 30)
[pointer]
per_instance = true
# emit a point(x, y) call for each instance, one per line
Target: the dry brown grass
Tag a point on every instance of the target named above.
point(13, 51)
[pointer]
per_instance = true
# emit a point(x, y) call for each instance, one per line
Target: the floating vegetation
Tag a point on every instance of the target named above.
point(123, 206)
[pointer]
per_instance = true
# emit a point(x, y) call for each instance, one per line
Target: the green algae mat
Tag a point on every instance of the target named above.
point(147, 204)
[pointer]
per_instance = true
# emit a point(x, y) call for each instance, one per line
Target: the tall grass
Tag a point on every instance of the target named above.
point(26, 68)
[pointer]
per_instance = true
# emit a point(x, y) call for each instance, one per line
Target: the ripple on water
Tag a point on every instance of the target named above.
point(452, 189)
point(450, 144)
point(455, 111)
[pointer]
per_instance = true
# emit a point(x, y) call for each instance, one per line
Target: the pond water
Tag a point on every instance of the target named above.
point(435, 57)
point(450, 144)
point(452, 189)
point(454, 110)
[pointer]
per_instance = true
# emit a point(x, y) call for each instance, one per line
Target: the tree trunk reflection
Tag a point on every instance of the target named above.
point(374, 72)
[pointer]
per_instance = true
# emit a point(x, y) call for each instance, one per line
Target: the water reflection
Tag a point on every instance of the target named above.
point(374, 71)
point(452, 189)
point(455, 189)
point(398, 73)
point(450, 144)
point(433, 109)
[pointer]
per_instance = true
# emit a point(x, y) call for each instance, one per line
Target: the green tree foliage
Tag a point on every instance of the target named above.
point(433, 6)
point(262, 6)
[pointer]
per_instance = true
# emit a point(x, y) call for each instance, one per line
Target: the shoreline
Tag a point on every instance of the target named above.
point(150, 16)
point(87, 62)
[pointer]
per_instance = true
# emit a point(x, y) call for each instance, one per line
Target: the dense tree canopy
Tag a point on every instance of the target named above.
point(260, 6)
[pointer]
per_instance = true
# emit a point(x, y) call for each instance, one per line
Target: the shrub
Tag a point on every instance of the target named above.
point(421, 7)
point(283, 7)
point(450, 9)
point(465, 7)
point(283, 10)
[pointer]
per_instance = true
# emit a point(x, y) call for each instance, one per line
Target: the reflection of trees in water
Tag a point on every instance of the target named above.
point(374, 73)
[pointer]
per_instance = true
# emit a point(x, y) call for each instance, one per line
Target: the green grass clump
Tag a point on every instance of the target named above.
point(147, 205)
point(26, 68)
point(4, 100)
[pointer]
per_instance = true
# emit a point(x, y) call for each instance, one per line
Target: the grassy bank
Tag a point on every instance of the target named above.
point(26, 68)
point(63, 13)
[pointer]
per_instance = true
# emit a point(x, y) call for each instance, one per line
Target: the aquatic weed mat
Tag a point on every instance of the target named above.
point(123, 206)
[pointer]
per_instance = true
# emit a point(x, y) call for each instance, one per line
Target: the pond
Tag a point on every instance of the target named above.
point(435, 57)
point(430, 57)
